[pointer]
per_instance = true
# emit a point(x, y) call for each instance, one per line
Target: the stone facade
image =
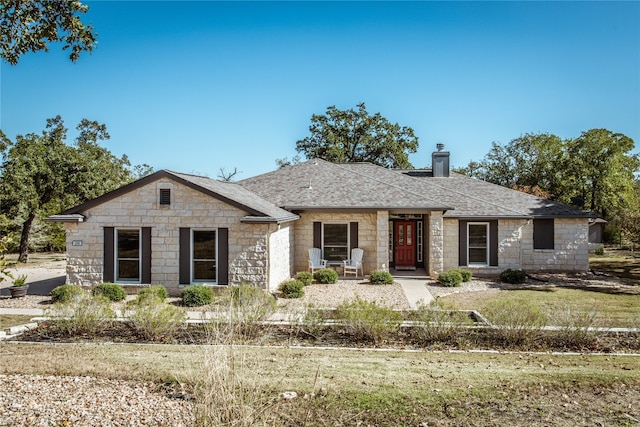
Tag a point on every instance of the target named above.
point(436, 243)
point(515, 246)
point(370, 236)
point(251, 258)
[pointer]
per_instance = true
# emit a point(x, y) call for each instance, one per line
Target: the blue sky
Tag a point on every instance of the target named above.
point(196, 86)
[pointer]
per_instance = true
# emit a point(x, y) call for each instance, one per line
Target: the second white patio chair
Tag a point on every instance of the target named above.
point(352, 265)
point(315, 260)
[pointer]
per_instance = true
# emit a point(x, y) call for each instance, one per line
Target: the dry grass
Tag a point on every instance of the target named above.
point(8, 320)
point(610, 310)
point(619, 263)
point(347, 387)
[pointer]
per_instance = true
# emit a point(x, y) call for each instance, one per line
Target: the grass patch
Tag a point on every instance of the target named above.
point(351, 387)
point(618, 263)
point(610, 310)
point(9, 320)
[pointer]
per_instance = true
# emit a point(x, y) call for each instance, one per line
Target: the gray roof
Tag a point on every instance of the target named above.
point(257, 208)
point(317, 184)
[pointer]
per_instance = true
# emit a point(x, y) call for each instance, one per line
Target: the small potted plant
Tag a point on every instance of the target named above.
point(19, 286)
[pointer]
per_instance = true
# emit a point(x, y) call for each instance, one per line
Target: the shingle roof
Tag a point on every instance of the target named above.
point(317, 184)
point(257, 208)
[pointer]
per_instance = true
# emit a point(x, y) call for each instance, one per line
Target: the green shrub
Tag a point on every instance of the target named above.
point(380, 277)
point(451, 278)
point(65, 293)
point(599, 250)
point(82, 314)
point(305, 277)
point(466, 274)
point(326, 276)
point(291, 288)
point(151, 291)
point(197, 295)
point(367, 320)
point(515, 277)
point(154, 319)
point(112, 291)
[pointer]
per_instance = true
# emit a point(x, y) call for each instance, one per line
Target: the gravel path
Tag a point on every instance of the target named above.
point(34, 400)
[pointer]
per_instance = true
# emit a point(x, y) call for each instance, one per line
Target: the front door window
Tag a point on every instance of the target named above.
point(405, 250)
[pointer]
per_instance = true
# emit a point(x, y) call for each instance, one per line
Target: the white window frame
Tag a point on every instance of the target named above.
point(488, 245)
point(117, 257)
point(330, 246)
point(192, 260)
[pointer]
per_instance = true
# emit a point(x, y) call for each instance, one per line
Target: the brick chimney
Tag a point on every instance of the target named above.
point(440, 162)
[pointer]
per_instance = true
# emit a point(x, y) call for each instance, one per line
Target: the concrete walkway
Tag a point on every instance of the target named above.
point(415, 290)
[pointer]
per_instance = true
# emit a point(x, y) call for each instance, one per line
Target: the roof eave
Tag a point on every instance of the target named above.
point(267, 219)
point(66, 218)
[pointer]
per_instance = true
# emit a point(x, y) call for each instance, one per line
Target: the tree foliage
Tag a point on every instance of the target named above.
point(32, 25)
point(41, 175)
point(595, 171)
point(356, 136)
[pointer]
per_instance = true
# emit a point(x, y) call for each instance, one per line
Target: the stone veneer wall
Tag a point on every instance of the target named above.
point(280, 260)
point(248, 243)
point(368, 237)
point(437, 239)
point(515, 246)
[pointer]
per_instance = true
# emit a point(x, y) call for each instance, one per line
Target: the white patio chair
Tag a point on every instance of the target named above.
point(315, 260)
point(352, 265)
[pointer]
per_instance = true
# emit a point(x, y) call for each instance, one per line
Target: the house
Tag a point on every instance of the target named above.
point(177, 229)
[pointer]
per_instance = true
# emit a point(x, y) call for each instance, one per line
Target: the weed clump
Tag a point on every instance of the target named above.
point(154, 319)
point(82, 314)
point(367, 320)
point(153, 290)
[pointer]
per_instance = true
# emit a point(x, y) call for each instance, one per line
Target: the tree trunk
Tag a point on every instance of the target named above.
point(24, 237)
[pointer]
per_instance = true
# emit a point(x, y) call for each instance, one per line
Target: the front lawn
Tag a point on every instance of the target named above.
point(359, 387)
point(611, 310)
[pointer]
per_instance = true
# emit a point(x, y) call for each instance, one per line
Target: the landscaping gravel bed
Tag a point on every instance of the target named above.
point(34, 400)
point(331, 296)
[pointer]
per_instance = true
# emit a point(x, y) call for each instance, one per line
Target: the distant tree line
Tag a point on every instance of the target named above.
point(41, 175)
point(596, 171)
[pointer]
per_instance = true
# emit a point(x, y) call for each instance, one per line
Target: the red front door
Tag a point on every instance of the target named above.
point(404, 243)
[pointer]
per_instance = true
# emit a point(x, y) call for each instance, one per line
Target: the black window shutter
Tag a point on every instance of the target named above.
point(493, 243)
point(543, 233)
point(146, 255)
point(223, 256)
point(184, 275)
point(462, 243)
point(353, 236)
point(109, 255)
point(317, 235)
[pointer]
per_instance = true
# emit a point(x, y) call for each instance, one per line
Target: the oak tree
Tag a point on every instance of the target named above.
point(354, 135)
point(32, 25)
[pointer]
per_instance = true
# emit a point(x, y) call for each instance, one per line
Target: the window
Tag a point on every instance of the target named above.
point(165, 196)
point(128, 255)
point(543, 234)
point(478, 243)
point(203, 256)
point(335, 241)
